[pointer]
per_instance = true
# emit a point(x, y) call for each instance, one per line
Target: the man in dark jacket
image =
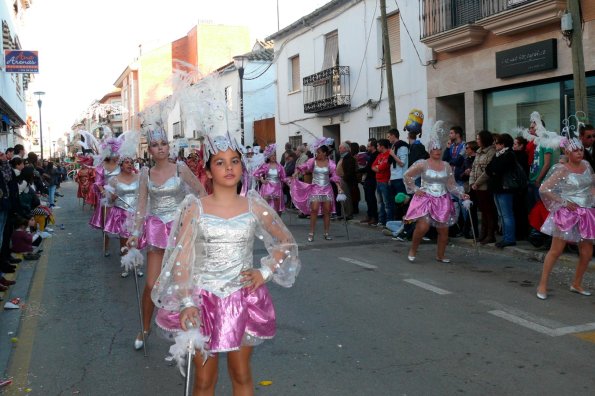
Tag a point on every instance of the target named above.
point(370, 184)
point(346, 169)
point(586, 134)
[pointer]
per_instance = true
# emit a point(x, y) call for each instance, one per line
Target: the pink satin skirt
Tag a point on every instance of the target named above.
point(242, 318)
point(273, 194)
point(119, 222)
point(438, 211)
point(571, 225)
point(303, 194)
point(155, 233)
point(96, 220)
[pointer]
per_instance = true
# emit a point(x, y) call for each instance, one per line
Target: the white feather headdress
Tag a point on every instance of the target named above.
point(438, 136)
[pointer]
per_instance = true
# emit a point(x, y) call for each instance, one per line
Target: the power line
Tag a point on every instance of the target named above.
point(411, 38)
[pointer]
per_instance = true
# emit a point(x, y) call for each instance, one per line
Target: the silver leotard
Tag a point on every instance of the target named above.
point(577, 188)
point(434, 182)
point(165, 199)
point(321, 175)
point(127, 195)
point(107, 175)
point(273, 175)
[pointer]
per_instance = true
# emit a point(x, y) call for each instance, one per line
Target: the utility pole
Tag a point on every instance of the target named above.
point(578, 59)
point(388, 66)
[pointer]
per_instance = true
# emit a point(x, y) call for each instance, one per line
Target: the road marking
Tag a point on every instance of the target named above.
point(590, 336)
point(552, 332)
point(21, 356)
point(513, 310)
point(357, 262)
point(427, 286)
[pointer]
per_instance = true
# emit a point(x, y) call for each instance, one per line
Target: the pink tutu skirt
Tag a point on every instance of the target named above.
point(571, 225)
point(273, 194)
point(119, 221)
point(155, 233)
point(303, 194)
point(96, 220)
point(438, 211)
point(242, 318)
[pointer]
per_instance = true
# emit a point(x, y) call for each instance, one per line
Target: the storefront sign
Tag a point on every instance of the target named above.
point(527, 59)
point(21, 61)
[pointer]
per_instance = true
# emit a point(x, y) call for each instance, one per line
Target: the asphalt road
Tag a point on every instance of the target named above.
point(361, 320)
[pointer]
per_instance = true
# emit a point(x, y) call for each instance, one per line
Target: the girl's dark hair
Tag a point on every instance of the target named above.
point(505, 139)
point(16, 162)
point(28, 174)
point(486, 138)
point(522, 141)
point(208, 163)
point(21, 222)
point(324, 148)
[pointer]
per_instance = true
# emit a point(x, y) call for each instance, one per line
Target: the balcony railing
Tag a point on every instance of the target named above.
point(438, 16)
point(327, 90)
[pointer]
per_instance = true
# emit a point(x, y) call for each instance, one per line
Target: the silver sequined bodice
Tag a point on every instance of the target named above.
point(434, 182)
point(107, 175)
point(577, 189)
point(273, 175)
point(224, 249)
point(320, 175)
point(127, 194)
point(165, 199)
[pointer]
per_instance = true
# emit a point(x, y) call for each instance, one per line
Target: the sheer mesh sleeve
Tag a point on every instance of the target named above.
point(173, 289)
point(306, 167)
point(451, 184)
point(261, 170)
point(282, 175)
point(551, 189)
point(142, 201)
point(194, 185)
point(282, 263)
point(111, 189)
point(413, 173)
point(332, 169)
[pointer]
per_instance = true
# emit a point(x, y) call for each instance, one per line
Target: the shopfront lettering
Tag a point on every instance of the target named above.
point(530, 58)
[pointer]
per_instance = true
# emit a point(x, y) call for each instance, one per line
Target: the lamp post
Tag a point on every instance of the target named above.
point(39, 95)
point(239, 62)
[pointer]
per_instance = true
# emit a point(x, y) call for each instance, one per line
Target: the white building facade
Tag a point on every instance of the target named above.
point(330, 80)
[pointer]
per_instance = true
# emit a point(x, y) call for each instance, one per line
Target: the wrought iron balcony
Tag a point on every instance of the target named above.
point(438, 16)
point(327, 90)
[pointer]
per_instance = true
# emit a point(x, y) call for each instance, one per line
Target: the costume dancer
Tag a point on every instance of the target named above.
point(317, 197)
point(108, 168)
point(271, 176)
point(85, 177)
point(431, 204)
point(123, 192)
point(162, 189)
point(208, 281)
point(568, 194)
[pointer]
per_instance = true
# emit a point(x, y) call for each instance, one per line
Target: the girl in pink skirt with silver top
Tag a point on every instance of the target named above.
point(162, 189)
point(271, 176)
point(208, 284)
point(432, 204)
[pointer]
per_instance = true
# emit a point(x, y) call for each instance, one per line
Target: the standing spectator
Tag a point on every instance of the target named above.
point(5, 213)
point(478, 180)
point(19, 151)
point(399, 161)
point(288, 149)
point(587, 137)
point(355, 194)
point(499, 170)
point(290, 160)
point(51, 176)
point(9, 153)
point(302, 155)
point(455, 150)
point(470, 153)
point(369, 179)
point(346, 170)
point(381, 167)
point(417, 150)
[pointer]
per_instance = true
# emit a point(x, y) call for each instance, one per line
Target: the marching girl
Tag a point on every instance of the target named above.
point(103, 173)
point(271, 176)
point(85, 178)
point(431, 204)
point(161, 190)
point(208, 281)
point(568, 194)
point(123, 192)
point(317, 197)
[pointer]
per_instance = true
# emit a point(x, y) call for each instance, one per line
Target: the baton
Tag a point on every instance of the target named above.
point(140, 311)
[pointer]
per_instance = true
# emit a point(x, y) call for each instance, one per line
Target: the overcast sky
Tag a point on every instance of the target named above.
point(84, 45)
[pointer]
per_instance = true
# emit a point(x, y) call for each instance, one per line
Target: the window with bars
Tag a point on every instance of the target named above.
point(378, 132)
point(294, 74)
point(295, 141)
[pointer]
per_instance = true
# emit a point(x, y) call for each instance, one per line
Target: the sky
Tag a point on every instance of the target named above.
point(84, 45)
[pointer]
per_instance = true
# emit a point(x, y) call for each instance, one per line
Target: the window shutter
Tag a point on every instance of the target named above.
point(295, 73)
point(331, 50)
point(394, 36)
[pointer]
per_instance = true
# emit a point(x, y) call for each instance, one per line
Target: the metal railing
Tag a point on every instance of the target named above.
point(327, 90)
point(438, 16)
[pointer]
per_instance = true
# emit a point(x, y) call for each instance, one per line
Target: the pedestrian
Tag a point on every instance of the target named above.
point(271, 176)
point(208, 281)
point(567, 194)
point(431, 204)
point(318, 197)
point(381, 167)
point(369, 182)
point(478, 180)
point(162, 189)
point(346, 170)
point(399, 162)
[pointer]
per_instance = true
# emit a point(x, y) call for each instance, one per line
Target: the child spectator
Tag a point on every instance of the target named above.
point(23, 242)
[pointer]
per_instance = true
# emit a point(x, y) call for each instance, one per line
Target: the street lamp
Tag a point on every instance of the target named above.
point(239, 62)
point(39, 95)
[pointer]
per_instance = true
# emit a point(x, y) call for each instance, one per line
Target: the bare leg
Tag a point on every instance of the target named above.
point(421, 227)
point(205, 376)
point(326, 216)
point(238, 365)
point(585, 251)
point(442, 240)
point(551, 257)
point(314, 208)
point(154, 259)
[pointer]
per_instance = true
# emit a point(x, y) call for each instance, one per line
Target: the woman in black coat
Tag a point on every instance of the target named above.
point(500, 170)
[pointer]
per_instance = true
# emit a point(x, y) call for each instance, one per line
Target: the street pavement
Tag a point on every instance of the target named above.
point(360, 320)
